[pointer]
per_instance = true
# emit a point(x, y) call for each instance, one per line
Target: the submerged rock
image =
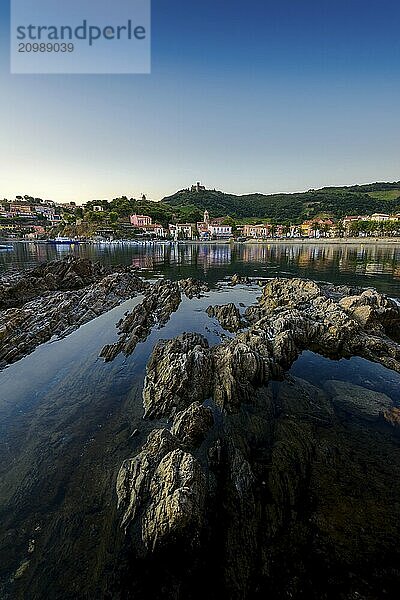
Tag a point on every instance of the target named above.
point(357, 400)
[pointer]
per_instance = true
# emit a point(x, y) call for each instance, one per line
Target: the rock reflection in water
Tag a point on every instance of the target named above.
point(69, 421)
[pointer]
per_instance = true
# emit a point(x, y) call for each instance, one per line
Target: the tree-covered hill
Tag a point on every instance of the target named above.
point(334, 202)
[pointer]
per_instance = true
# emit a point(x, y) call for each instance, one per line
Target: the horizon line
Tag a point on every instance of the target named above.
point(277, 193)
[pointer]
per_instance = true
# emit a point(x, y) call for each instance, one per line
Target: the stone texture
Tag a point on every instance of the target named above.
point(191, 425)
point(357, 400)
point(70, 273)
point(162, 490)
point(161, 300)
point(392, 416)
point(193, 288)
point(42, 311)
point(228, 316)
point(135, 474)
point(237, 279)
point(178, 373)
point(177, 496)
point(285, 491)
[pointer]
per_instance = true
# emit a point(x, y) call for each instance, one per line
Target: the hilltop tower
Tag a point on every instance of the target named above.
point(198, 187)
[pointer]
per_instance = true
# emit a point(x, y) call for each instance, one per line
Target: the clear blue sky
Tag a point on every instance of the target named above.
point(249, 96)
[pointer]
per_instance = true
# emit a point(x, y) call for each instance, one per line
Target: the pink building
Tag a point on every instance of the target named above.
point(140, 220)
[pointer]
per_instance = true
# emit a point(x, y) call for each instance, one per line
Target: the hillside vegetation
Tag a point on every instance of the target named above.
point(333, 202)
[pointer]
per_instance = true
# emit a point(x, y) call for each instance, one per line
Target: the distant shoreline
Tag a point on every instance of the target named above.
point(306, 241)
point(262, 242)
point(340, 241)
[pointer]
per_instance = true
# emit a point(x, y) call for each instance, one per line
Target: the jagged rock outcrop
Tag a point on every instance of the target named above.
point(178, 373)
point(161, 300)
point(177, 497)
point(318, 319)
point(292, 315)
point(193, 288)
point(290, 293)
point(162, 490)
point(392, 416)
point(374, 311)
point(228, 316)
point(262, 489)
point(236, 279)
point(53, 312)
point(134, 477)
point(70, 273)
point(192, 424)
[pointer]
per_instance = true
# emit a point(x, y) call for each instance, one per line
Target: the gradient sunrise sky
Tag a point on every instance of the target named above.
point(249, 96)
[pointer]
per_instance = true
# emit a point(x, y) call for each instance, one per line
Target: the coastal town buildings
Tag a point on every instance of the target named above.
point(145, 224)
point(220, 231)
point(257, 231)
point(380, 217)
point(22, 209)
point(155, 229)
point(140, 220)
point(215, 228)
point(26, 216)
point(317, 228)
point(185, 231)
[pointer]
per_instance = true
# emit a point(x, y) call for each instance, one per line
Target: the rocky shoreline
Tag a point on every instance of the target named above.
point(56, 298)
point(257, 477)
point(234, 479)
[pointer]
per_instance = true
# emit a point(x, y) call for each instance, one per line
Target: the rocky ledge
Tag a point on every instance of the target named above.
point(250, 487)
point(67, 274)
point(56, 298)
point(228, 316)
point(161, 300)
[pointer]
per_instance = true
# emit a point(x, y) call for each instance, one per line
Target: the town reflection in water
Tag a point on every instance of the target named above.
point(359, 264)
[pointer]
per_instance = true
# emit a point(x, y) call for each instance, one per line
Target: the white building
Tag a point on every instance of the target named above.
point(183, 231)
point(220, 231)
point(262, 230)
point(46, 211)
point(380, 217)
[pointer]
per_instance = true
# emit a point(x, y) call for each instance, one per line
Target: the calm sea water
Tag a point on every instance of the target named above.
point(66, 417)
point(363, 264)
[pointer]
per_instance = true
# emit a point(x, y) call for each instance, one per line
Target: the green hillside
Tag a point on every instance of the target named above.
point(335, 202)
